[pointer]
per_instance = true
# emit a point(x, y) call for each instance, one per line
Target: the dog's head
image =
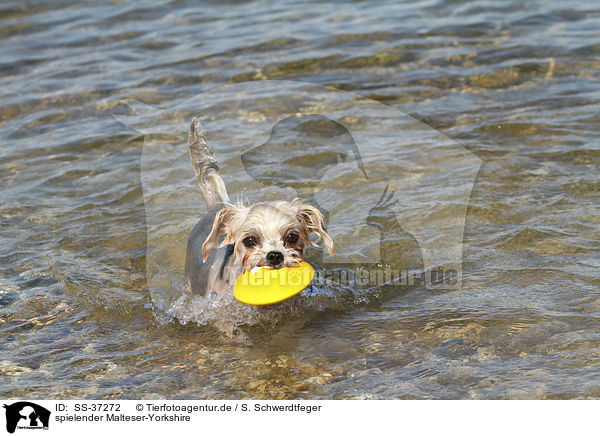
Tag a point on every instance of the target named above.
point(272, 234)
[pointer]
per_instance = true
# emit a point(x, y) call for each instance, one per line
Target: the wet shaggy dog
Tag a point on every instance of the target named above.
point(233, 238)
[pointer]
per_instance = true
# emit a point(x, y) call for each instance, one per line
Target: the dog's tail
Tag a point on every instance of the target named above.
point(206, 168)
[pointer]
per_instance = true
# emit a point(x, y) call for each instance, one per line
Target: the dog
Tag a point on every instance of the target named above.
point(233, 238)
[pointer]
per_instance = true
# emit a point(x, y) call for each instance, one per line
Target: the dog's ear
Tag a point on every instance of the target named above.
point(219, 227)
point(313, 220)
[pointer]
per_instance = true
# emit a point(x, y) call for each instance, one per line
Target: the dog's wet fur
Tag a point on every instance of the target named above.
point(233, 238)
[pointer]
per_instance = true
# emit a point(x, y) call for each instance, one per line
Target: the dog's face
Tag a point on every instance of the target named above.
point(272, 234)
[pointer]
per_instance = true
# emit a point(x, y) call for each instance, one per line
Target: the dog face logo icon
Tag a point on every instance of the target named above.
point(393, 192)
point(26, 415)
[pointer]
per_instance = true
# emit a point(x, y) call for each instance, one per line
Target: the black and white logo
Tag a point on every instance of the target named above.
point(26, 415)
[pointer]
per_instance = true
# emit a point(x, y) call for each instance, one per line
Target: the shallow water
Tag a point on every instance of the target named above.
point(84, 228)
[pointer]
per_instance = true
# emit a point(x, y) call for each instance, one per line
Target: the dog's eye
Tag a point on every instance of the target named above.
point(291, 238)
point(250, 241)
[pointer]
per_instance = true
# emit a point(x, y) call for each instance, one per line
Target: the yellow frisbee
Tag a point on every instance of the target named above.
point(267, 285)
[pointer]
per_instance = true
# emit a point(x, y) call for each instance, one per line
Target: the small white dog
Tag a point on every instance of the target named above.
point(233, 238)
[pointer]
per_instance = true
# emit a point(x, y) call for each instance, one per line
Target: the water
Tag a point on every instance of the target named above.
point(514, 83)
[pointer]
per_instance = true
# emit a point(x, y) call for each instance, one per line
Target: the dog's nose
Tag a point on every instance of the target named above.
point(274, 258)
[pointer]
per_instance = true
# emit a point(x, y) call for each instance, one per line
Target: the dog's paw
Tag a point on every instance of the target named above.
point(233, 333)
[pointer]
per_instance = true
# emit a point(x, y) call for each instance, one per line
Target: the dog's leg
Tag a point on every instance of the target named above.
point(206, 168)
